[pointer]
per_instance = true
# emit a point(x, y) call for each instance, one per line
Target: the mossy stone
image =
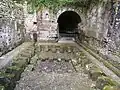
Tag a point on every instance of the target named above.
point(34, 60)
point(54, 50)
point(46, 48)
point(109, 87)
point(2, 87)
point(103, 81)
point(65, 48)
point(69, 49)
point(8, 75)
point(20, 63)
point(84, 62)
point(75, 62)
point(61, 49)
point(6, 79)
point(25, 54)
point(15, 70)
point(20, 58)
point(81, 54)
point(38, 49)
point(95, 73)
point(29, 68)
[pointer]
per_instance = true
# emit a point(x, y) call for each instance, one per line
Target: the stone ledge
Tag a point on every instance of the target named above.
point(100, 64)
point(6, 59)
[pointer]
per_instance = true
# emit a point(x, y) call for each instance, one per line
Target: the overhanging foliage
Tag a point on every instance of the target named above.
point(84, 5)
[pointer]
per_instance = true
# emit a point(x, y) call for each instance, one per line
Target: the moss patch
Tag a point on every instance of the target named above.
point(109, 87)
point(103, 81)
point(12, 74)
point(2, 87)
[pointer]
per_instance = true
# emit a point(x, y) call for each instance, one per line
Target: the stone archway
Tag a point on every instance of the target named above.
point(68, 23)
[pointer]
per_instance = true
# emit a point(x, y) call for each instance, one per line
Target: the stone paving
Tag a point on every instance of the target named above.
point(58, 66)
point(54, 71)
point(52, 75)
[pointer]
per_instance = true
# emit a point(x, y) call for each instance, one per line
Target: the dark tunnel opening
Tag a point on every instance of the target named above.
point(68, 24)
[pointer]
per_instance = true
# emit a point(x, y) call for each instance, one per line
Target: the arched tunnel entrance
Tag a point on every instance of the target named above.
point(68, 24)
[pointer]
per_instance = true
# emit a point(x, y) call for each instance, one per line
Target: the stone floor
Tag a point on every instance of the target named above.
point(54, 71)
point(54, 75)
point(56, 68)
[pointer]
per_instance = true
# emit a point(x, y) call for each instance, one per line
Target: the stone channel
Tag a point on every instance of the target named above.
point(55, 66)
point(63, 67)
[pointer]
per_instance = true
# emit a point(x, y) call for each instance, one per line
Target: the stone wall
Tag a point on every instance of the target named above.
point(11, 25)
point(99, 33)
point(47, 25)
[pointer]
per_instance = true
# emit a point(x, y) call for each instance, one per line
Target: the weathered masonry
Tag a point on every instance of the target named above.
point(60, 49)
point(12, 29)
point(96, 29)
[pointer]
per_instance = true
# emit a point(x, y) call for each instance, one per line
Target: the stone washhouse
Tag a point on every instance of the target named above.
point(66, 49)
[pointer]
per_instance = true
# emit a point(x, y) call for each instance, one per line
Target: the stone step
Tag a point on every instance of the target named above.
point(99, 64)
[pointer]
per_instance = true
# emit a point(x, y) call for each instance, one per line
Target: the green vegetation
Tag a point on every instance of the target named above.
point(105, 83)
point(109, 87)
point(2, 87)
point(83, 5)
point(11, 74)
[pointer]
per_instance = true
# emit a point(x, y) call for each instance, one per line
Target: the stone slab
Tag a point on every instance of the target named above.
point(7, 58)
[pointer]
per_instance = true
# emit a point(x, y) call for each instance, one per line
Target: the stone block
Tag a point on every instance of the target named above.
point(34, 60)
point(93, 72)
point(54, 50)
point(92, 33)
point(20, 63)
point(74, 61)
point(6, 79)
point(46, 48)
point(15, 70)
point(29, 68)
point(103, 81)
point(25, 54)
